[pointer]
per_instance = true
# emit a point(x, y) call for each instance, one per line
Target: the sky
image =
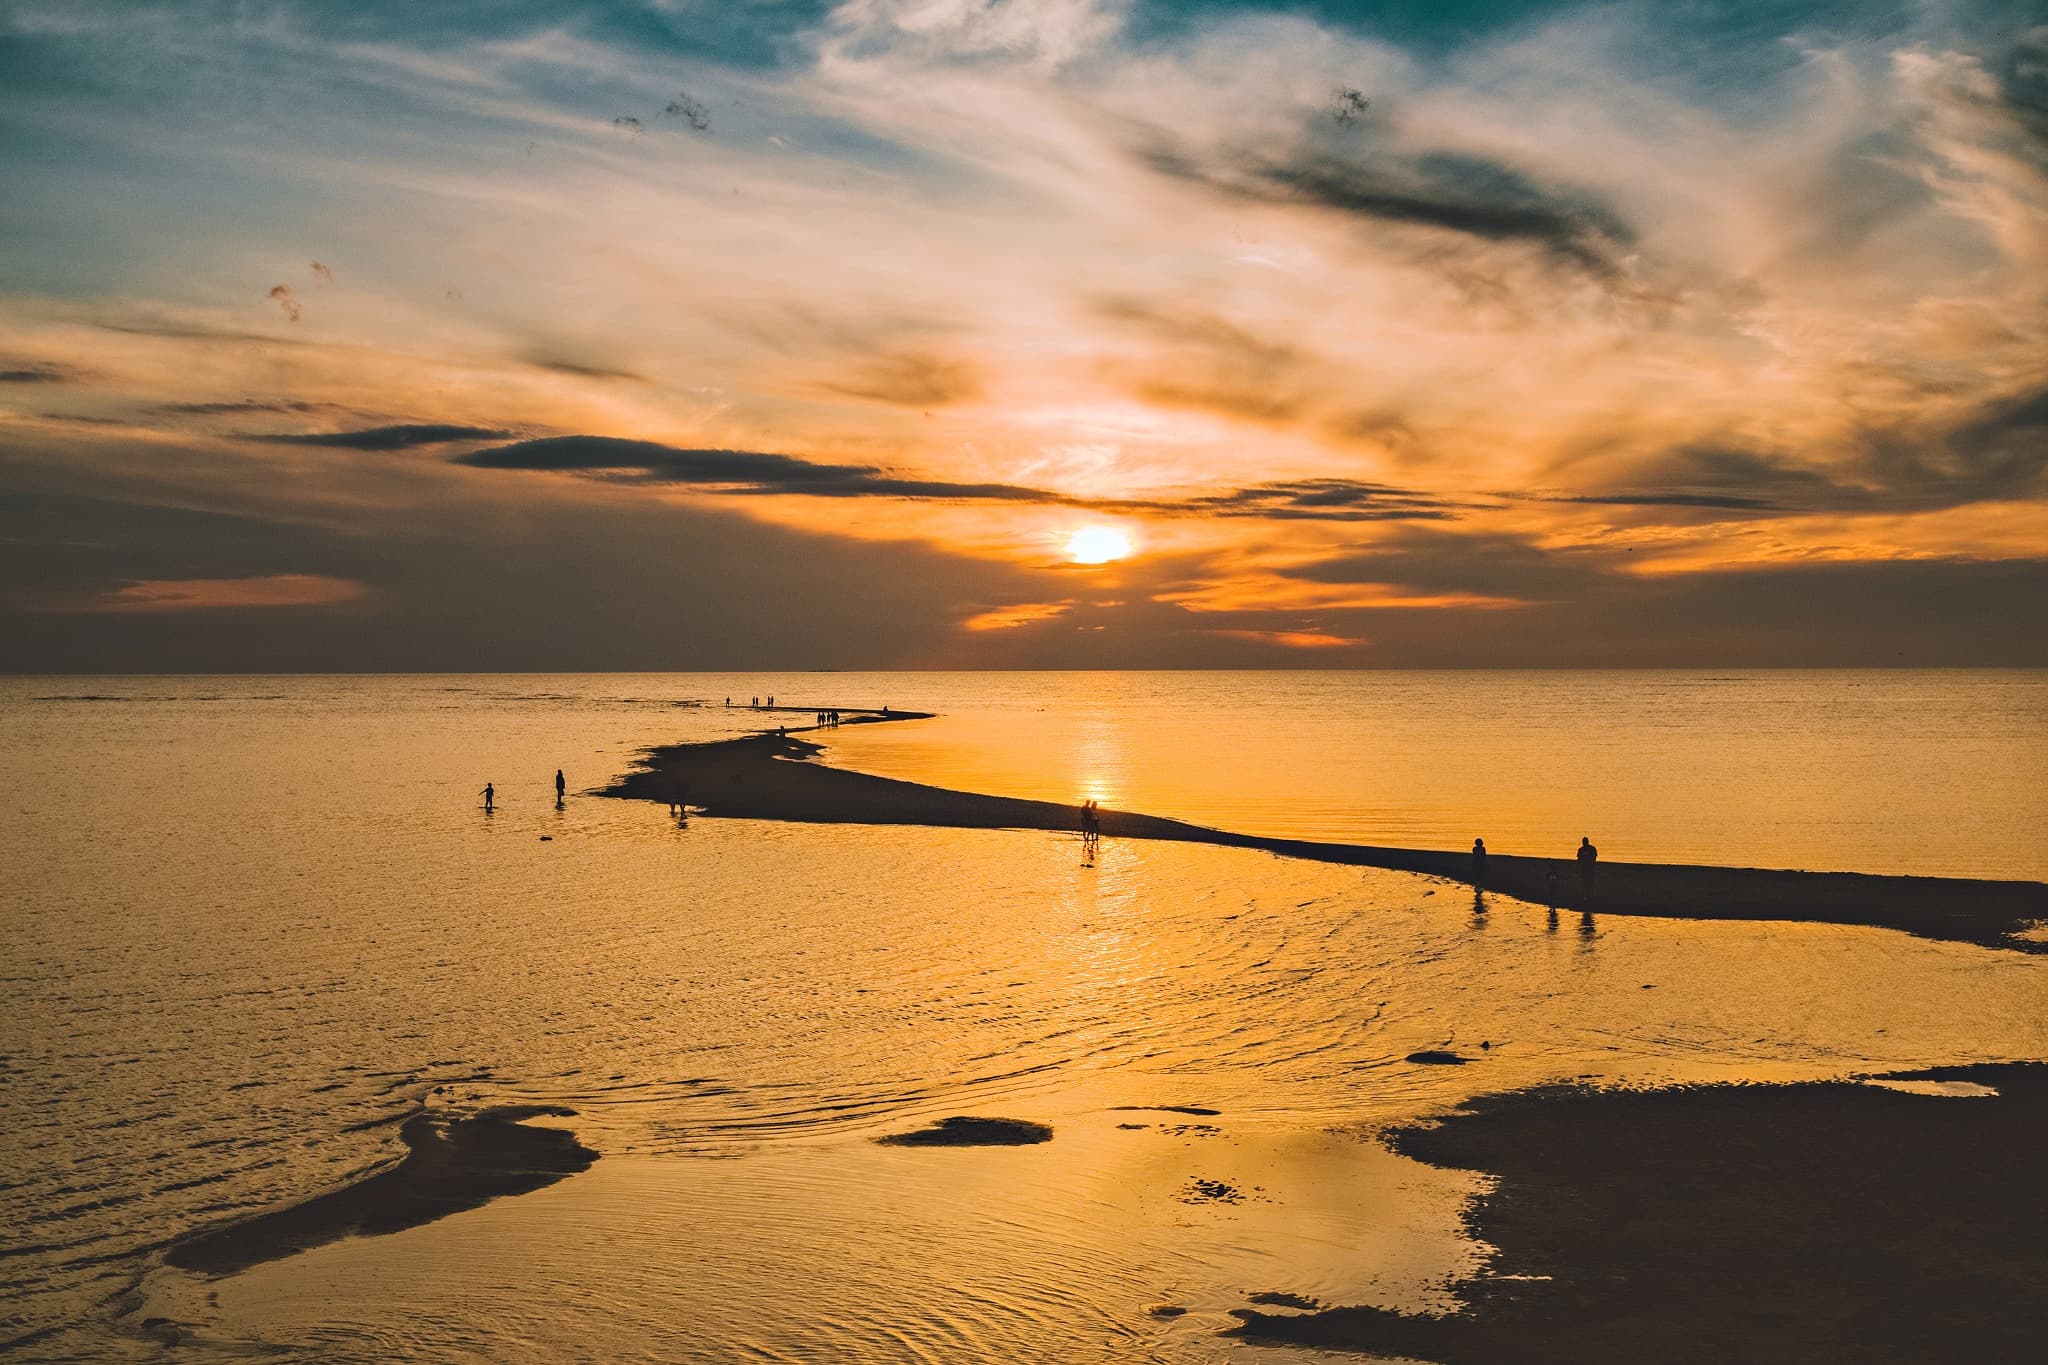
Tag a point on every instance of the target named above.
point(730, 334)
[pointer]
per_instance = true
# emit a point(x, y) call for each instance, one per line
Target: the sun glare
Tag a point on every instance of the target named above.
point(1097, 545)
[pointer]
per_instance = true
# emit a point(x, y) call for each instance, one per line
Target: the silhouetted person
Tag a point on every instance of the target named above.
point(1479, 862)
point(1588, 856)
point(1091, 830)
point(489, 794)
point(561, 786)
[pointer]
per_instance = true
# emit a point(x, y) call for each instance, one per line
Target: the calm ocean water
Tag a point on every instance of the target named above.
point(252, 922)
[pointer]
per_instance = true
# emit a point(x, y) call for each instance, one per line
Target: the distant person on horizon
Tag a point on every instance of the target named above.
point(1588, 856)
point(561, 785)
point(1479, 862)
point(489, 794)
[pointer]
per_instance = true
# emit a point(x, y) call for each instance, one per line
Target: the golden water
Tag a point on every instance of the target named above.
point(249, 921)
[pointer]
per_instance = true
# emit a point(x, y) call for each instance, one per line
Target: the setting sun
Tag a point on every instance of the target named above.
point(1097, 545)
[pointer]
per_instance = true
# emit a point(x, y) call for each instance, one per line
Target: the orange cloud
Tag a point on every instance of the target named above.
point(1022, 614)
point(203, 594)
point(1295, 639)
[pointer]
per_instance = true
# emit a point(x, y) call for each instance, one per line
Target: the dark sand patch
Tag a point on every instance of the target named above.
point(768, 777)
point(1194, 1109)
point(1166, 1310)
point(1432, 1056)
point(452, 1164)
point(960, 1131)
point(1798, 1223)
point(1276, 1298)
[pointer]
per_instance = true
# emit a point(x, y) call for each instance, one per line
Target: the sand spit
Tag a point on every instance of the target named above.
point(1794, 1223)
point(962, 1131)
point(767, 777)
point(451, 1164)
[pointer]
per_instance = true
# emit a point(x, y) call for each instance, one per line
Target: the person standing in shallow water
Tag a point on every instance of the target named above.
point(489, 794)
point(560, 786)
point(1479, 862)
point(1588, 856)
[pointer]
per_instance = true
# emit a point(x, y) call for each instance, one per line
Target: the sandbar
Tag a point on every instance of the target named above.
point(769, 777)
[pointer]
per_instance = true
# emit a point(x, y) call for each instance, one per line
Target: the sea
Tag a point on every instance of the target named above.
point(253, 924)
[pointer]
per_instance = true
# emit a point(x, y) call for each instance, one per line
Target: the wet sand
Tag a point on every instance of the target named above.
point(450, 1165)
point(769, 777)
point(1827, 1221)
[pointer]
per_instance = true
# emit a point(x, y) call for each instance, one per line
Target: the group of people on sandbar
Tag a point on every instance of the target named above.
point(1588, 859)
point(490, 793)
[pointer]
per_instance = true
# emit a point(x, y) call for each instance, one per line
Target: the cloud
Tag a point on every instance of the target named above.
point(1453, 193)
point(200, 332)
point(34, 373)
point(403, 437)
point(1295, 639)
point(1016, 615)
point(246, 405)
point(211, 594)
point(749, 472)
point(585, 370)
point(1324, 499)
point(911, 379)
point(730, 471)
point(1488, 565)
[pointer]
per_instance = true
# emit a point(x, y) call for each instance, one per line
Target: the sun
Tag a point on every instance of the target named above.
point(1097, 545)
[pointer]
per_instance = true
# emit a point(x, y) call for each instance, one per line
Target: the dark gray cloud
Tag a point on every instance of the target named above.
point(730, 471)
point(751, 472)
point(1706, 477)
point(402, 437)
point(1462, 195)
point(1425, 559)
point(1325, 499)
point(572, 585)
point(584, 369)
point(39, 372)
point(246, 405)
point(182, 331)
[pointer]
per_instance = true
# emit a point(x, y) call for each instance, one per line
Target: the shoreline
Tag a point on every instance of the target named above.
point(768, 776)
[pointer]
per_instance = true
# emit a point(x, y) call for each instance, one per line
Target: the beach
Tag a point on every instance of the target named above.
point(762, 1081)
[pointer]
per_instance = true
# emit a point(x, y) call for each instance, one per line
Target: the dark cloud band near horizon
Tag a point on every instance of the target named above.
point(748, 472)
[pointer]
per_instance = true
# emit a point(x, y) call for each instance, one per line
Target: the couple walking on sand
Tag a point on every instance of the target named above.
point(1588, 857)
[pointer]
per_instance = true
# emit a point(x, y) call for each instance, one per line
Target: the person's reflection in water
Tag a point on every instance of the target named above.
point(1551, 926)
point(1586, 930)
point(1478, 908)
